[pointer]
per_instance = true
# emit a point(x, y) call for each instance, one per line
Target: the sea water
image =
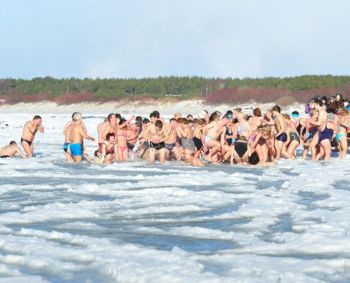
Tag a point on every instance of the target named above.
point(132, 222)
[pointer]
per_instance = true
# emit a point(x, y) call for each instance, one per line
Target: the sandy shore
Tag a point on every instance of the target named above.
point(185, 107)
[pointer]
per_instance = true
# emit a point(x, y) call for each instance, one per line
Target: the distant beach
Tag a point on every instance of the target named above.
point(166, 108)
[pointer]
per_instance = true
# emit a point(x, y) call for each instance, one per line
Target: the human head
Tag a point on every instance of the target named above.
point(122, 121)
point(257, 112)
point(343, 112)
point(214, 117)
point(276, 109)
point(138, 119)
point(110, 137)
point(177, 115)
point(145, 121)
point(189, 117)
point(112, 119)
point(12, 143)
point(286, 116)
point(158, 124)
point(339, 97)
point(118, 117)
point(73, 115)
point(173, 122)
point(324, 100)
point(37, 117)
point(37, 120)
point(332, 107)
point(154, 116)
point(202, 122)
point(76, 116)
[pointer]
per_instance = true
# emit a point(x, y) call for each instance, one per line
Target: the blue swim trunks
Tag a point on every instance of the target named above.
point(326, 134)
point(282, 137)
point(76, 149)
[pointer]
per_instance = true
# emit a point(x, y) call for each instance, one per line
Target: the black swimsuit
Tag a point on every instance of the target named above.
point(27, 141)
point(157, 146)
point(5, 156)
point(241, 148)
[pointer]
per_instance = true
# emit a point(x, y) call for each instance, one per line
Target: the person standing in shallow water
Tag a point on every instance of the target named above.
point(29, 131)
point(76, 136)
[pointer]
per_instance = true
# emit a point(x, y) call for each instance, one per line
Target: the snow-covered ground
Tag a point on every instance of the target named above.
point(138, 223)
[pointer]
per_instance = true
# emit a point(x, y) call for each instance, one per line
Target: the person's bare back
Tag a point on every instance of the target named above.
point(11, 150)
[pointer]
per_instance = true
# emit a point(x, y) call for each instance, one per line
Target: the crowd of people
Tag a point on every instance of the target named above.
point(233, 137)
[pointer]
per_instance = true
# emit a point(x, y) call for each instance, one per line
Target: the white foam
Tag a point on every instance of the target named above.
point(136, 223)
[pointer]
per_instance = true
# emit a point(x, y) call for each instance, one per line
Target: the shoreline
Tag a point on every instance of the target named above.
point(167, 108)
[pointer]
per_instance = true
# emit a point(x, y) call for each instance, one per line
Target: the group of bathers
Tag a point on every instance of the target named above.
point(238, 136)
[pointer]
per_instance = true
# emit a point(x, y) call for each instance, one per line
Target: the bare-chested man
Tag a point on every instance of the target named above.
point(66, 133)
point(111, 127)
point(324, 134)
point(100, 128)
point(11, 150)
point(76, 136)
point(156, 135)
point(170, 143)
point(29, 131)
point(281, 135)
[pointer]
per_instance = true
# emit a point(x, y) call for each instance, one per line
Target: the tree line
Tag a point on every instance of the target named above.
point(182, 87)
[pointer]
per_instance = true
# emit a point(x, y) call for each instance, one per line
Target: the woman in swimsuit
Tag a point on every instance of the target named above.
point(310, 131)
point(107, 152)
point(186, 133)
point(122, 141)
point(213, 132)
point(260, 144)
point(342, 131)
point(240, 151)
point(256, 120)
point(198, 136)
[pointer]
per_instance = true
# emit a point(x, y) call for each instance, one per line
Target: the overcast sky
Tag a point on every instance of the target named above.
point(145, 38)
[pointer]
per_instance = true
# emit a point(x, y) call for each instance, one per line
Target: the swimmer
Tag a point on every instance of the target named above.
point(342, 132)
point(29, 131)
point(324, 134)
point(108, 150)
point(171, 143)
point(76, 136)
point(156, 135)
point(281, 135)
point(11, 150)
point(66, 148)
point(214, 137)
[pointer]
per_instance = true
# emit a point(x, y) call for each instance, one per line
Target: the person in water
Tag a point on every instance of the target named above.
point(108, 150)
point(29, 131)
point(11, 150)
point(157, 135)
point(76, 136)
point(66, 148)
